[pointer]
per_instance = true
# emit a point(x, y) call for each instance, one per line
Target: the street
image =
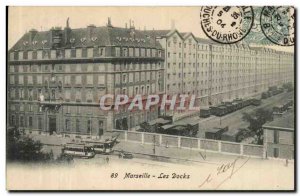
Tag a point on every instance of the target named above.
point(234, 120)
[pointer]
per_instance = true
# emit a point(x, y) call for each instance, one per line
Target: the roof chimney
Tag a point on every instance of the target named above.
point(172, 24)
point(109, 22)
point(90, 31)
point(32, 34)
point(67, 32)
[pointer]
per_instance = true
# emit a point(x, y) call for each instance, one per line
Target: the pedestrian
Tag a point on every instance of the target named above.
point(107, 160)
point(286, 162)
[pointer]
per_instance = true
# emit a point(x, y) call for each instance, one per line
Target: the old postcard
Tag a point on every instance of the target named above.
point(151, 98)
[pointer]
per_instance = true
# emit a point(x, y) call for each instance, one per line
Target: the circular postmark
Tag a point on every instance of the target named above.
point(226, 25)
point(277, 24)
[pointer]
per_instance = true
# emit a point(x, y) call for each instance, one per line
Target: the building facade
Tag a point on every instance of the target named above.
point(220, 72)
point(279, 137)
point(56, 78)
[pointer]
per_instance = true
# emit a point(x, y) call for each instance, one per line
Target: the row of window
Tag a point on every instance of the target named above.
point(78, 125)
point(83, 80)
point(84, 53)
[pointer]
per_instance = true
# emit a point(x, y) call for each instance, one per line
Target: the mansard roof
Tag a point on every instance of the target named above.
point(86, 37)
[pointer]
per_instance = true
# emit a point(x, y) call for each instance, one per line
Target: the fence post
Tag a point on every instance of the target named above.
point(160, 139)
point(220, 146)
point(179, 142)
point(125, 136)
point(199, 144)
point(241, 149)
point(143, 137)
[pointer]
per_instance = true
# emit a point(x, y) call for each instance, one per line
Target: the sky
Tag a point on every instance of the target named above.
point(22, 19)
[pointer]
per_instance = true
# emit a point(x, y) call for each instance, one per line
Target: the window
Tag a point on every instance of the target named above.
point(68, 125)
point(21, 79)
point(67, 95)
point(12, 93)
point(21, 93)
point(29, 79)
point(102, 52)
point(53, 94)
point(130, 77)
point(101, 80)
point(137, 76)
point(12, 120)
point(78, 53)
point(142, 51)
point(100, 125)
point(21, 121)
point(34, 54)
point(30, 94)
point(276, 152)
point(90, 52)
point(276, 137)
point(78, 95)
point(118, 51)
point(137, 52)
point(84, 52)
point(124, 78)
point(30, 122)
point(89, 126)
point(125, 52)
point(78, 80)
point(67, 68)
point(67, 80)
point(89, 80)
point(89, 96)
point(73, 52)
point(12, 79)
point(77, 125)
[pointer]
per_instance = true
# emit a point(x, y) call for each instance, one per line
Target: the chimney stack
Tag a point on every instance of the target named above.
point(67, 32)
point(90, 30)
point(173, 24)
point(32, 34)
point(109, 22)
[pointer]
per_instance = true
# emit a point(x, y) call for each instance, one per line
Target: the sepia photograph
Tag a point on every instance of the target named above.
point(151, 98)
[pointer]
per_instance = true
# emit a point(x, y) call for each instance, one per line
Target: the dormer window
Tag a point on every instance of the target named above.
point(25, 43)
point(83, 39)
point(44, 42)
point(94, 39)
point(72, 40)
point(34, 42)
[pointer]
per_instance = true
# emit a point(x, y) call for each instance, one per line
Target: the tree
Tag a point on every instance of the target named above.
point(257, 120)
point(23, 148)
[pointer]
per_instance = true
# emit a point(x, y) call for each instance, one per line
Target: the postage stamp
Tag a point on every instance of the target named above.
point(150, 98)
point(278, 24)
